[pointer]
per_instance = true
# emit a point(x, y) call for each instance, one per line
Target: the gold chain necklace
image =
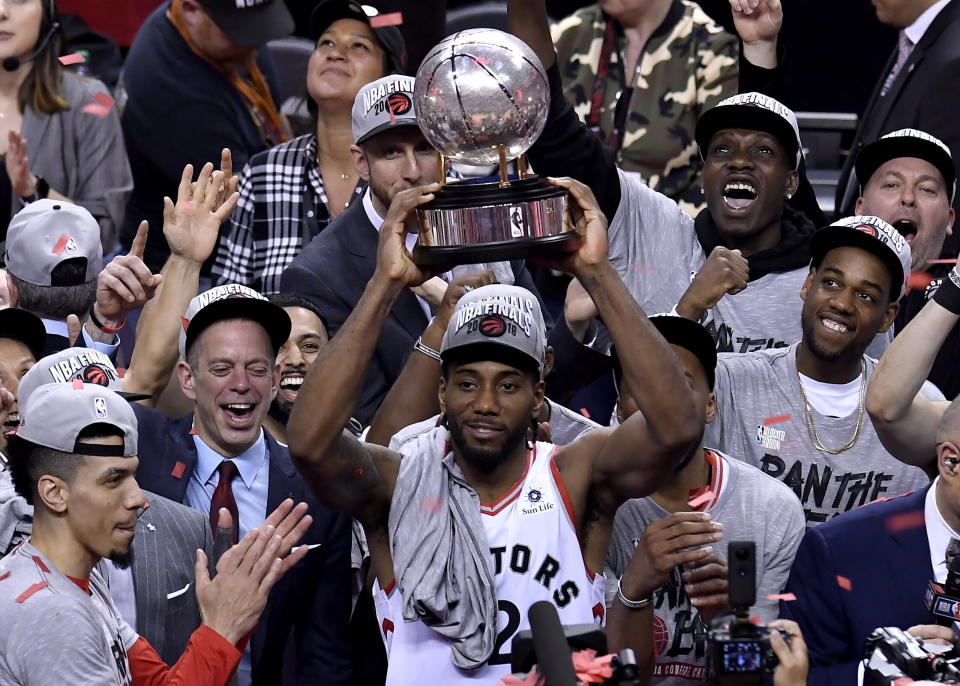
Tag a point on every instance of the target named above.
point(808, 415)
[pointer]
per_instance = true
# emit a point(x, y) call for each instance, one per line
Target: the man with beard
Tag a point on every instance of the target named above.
point(661, 544)
point(750, 147)
point(475, 523)
point(798, 413)
point(74, 459)
point(308, 335)
point(392, 154)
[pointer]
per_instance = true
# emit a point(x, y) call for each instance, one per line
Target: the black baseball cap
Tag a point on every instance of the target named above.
point(250, 23)
point(907, 143)
point(233, 301)
point(390, 37)
point(685, 334)
point(26, 327)
point(754, 112)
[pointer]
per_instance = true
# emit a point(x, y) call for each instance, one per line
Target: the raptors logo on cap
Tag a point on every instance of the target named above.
point(492, 326)
point(95, 374)
point(399, 103)
point(867, 229)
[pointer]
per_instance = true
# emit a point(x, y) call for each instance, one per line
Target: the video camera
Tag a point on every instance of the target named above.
point(742, 647)
point(893, 654)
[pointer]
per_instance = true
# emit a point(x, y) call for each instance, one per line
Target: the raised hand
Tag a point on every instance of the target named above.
point(394, 261)
point(589, 223)
point(191, 226)
point(288, 521)
point(125, 284)
point(725, 272)
point(664, 545)
point(231, 603)
point(757, 20)
point(22, 181)
point(457, 288)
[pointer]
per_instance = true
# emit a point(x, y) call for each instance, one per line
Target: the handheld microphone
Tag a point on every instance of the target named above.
point(943, 600)
point(553, 653)
point(13, 63)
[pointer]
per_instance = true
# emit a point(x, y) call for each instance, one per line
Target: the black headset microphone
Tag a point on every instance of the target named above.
point(13, 63)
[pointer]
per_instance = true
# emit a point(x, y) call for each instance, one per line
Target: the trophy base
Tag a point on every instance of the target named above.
point(501, 251)
point(468, 223)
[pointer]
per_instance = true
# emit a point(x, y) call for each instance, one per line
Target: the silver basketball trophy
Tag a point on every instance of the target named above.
point(482, 98)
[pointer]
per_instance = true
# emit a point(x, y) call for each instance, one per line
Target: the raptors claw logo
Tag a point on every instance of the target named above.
point(493, 326)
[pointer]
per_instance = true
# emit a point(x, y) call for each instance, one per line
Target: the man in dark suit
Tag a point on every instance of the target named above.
point(391, 154)
point(228, 368)
point(870, 567)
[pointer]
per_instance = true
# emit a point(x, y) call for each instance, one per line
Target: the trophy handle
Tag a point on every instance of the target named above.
point(504, 174)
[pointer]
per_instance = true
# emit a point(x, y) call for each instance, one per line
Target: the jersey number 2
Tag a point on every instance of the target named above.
point(509, 629)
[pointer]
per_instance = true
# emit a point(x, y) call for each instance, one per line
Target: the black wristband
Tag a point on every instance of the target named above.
point(948, 293)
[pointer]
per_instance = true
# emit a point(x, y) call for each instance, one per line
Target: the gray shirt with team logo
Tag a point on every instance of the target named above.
point(654, 247)
point(760, 419)
point(751, 507)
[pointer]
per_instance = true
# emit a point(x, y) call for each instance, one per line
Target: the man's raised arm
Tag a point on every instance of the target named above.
point(906, 420)
point(350, 476)
point(650, 444)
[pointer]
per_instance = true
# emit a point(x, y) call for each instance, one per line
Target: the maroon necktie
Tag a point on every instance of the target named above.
point(223, 497)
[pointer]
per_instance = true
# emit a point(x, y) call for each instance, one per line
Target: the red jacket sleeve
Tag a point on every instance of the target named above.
point(209, 660)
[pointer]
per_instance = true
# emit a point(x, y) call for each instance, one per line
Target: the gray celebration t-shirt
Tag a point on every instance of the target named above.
point(654, 247)
point(760, 419)
point(751, 507)
point(52, 632)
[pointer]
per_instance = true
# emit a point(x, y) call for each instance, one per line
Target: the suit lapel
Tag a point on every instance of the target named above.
point(148, 561)
point(910, 545)
point(362, 243)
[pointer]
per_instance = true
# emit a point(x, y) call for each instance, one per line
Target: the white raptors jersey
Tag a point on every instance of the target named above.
point(534, 554)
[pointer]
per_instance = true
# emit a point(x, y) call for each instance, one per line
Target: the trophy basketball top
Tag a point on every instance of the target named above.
point(481, 95)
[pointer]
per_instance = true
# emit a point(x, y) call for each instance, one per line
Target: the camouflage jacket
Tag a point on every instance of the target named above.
point(688, 65)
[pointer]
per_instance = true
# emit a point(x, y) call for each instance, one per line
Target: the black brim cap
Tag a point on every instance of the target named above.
point(251, 26)
point(685, 334)
point(907, 143)
point(753, 112)
point(873, 235)
point(272, 318)
point(391, 40)
point(26, 327)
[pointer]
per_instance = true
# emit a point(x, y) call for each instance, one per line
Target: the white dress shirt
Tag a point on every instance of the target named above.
point(920, 25)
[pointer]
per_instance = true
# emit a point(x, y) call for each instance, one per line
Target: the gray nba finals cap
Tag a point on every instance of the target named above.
point(908, 143)
point(233, 301)
point(85, 365)
point(497, 316)
point(871, 234)
point(755, 112)
point(383, 104)
point(47, 232)
point(56, 414)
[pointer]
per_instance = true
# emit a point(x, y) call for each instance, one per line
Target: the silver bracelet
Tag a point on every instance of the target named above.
point(632, 604)
point(429, 352)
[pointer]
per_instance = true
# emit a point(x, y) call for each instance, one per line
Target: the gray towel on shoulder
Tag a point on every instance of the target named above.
point(440, 552)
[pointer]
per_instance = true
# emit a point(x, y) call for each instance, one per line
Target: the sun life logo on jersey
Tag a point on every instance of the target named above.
point(535, 502)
